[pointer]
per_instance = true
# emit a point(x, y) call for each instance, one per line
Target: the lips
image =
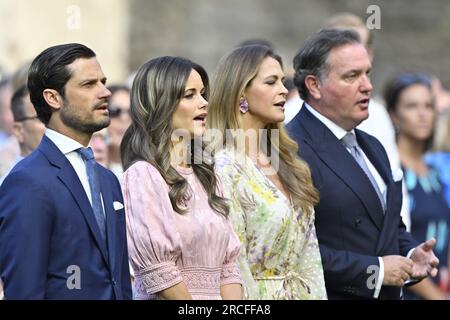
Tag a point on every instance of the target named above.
point(201, 117)
point(280, 104)
point(103, 106)
point(364, 101)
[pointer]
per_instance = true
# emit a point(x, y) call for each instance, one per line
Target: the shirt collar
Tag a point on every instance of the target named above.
point(64, 143)
point(337, 130)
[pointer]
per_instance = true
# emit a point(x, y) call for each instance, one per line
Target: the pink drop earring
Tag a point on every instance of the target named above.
point(243, 105)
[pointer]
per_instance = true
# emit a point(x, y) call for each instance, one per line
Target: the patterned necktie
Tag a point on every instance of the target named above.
point(349, 140)
point(94, 183)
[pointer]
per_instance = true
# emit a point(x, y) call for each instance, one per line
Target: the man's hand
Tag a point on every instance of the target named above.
point(425, 262)
point(397, 270)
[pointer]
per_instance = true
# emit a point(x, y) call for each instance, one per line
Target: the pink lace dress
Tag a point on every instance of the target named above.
point(165, 248)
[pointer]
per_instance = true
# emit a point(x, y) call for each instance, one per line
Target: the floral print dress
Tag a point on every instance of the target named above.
point(280, 256)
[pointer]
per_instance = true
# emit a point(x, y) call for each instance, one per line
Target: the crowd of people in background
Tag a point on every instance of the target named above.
point(158, 190)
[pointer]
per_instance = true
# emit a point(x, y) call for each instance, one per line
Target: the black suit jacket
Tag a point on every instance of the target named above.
point(351, 227)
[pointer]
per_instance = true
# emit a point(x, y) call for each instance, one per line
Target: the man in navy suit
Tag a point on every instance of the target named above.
point(62, 223)
point(366, 251)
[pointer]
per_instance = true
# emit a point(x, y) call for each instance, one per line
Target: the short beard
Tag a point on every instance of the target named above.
point(73, 121)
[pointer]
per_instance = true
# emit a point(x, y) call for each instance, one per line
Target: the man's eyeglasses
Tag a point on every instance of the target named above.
point(116, 111)
point(27, 118)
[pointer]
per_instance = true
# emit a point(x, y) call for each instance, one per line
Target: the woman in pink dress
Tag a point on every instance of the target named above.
point(181, 244)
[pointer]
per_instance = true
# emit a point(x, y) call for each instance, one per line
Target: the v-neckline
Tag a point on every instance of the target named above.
point(286, 198)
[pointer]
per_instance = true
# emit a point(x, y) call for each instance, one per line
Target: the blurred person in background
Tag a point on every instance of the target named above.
point(410, 103)
point(9, 147)
point(20, 76)
point(440, 157)
point(16, 83)
point(27, 128)
point(119, 111)
point(441, 95)
point(6, 117)
point(99, 145)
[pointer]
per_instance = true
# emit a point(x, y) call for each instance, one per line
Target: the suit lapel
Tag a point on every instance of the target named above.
point(393, 189)
point(70, 179)
point(331, 151)
point(374, 157)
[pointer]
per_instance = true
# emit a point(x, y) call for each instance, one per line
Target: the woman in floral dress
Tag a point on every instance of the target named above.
point(270, 191)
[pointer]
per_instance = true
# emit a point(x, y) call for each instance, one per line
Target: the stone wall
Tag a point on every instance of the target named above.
point(30, 26)
point(413, 36)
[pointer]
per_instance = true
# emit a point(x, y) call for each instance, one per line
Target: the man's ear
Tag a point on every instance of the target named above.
point(53, 98)
point(312, 83)
point(18, 131)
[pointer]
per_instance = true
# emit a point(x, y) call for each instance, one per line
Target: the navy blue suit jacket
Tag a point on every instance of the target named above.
point(351, 227)
point(49, 235)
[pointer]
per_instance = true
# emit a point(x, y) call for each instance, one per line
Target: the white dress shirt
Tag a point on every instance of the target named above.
point(291, 108)
point(340, 133)
point(69, 148)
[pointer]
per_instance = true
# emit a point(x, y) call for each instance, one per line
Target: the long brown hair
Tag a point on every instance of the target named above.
point(156, 92)
point(234, 74)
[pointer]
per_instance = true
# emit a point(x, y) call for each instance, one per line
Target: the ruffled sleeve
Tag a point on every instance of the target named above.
point(154, 243)
point(230, 270)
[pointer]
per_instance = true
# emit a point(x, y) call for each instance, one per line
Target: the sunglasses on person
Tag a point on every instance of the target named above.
point(116, 111)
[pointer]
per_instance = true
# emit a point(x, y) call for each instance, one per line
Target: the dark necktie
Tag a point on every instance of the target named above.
point(349, 140)
point(94, 183)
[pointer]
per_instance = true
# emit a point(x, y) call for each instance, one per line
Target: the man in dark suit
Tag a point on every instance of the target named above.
point(62, 223)
point(366, 251)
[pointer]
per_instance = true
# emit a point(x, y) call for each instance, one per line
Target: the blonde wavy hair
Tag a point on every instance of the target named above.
point(234, 74)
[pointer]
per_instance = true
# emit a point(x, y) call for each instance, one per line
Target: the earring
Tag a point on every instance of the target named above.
point(243, 105)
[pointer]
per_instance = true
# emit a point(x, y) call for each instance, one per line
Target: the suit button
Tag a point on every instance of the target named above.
point(113, 282)
point(357, 222)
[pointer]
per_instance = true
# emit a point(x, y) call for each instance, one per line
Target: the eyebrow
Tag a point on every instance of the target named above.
point(275, 76)
point(93, 80)
point(358, 71)
point(194, 89)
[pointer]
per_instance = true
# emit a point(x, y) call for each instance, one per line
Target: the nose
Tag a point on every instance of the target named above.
point(203, 102)
point(425, 111)
point(366, 84)
point(284, 90)
point(105, 92)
